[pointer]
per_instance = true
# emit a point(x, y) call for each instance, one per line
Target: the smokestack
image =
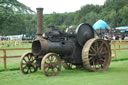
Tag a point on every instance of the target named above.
point(39, 21)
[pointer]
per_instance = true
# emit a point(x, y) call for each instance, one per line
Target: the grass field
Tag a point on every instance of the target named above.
point(116, 74)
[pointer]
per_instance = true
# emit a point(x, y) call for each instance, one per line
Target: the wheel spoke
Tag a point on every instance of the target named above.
point(103, 53)
point(47, 61)
point(31, 70)
point(47, 70)
point(92, 55)
point(33, 67)
point(53, 70)
point(46, 65)
point(92, 60)
point(101, 50)
point(92, 48)
point(23, 64)
point(24, 67)
point(96, 45)
point(99, 66)
point(101, 59)
point(28, 57)
point(52, 58)
point(33, 60)
point(57, 68)
point(94, 66)
point(28, 70)
point(101, 46)
point(24, 59)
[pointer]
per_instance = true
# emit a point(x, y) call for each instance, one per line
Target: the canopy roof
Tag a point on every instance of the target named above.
point(100, 24)
point(122, 28)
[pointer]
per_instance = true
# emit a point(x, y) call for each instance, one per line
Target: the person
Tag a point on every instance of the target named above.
point(123, 36)
point(69, 30)
point(113, 38)
point(117, 37)
point(126, 37)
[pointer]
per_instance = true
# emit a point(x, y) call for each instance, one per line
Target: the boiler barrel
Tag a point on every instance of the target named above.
point(42, 47)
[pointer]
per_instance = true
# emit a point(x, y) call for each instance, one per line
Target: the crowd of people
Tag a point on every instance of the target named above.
point(116, 37)
point(112, 35)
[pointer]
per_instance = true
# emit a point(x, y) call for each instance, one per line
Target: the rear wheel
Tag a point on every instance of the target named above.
point(96, 55)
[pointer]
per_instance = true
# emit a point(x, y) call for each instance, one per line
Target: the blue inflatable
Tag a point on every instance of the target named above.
point(100, 24)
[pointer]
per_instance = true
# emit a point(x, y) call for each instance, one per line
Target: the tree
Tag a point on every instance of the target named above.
point(69, 19)
point(115, 4)
point(90, 18)
point(123, 15)
point(12, 17)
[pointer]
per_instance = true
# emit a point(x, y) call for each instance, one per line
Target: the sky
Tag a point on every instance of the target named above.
point(59, 6)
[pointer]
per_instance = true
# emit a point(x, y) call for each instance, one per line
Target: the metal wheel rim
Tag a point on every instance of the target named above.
point(28, 63)
point(51, 64)
point(96, 58)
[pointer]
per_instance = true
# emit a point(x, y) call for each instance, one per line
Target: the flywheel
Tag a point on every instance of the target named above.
point(96, 55)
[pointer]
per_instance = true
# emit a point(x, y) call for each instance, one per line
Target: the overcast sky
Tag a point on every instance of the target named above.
point(59, 6)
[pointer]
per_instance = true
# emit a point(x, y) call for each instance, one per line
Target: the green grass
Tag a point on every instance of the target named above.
point(121, 54)
point(117, 74)
point(17, 46)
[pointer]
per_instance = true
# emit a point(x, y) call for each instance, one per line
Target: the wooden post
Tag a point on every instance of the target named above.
point(4, 59)
point(13, 43)
point(119, 44)
point(115, 50)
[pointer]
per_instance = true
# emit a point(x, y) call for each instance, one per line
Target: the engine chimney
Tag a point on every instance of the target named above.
point(39, 21)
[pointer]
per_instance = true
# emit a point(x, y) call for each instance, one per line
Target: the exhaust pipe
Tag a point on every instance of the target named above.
point(36, 46)
point(39, 22)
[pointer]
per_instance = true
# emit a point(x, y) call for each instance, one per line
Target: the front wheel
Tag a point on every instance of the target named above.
point(51, 64)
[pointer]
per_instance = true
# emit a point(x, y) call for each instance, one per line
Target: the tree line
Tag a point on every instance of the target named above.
point(16, 18)
point(114, 12)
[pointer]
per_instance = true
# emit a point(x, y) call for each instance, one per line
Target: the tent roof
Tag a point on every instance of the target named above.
point(122, 28)
point(100, 24)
